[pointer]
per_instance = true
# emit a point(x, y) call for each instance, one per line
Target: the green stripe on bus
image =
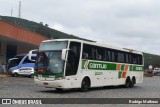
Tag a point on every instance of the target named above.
point(83, 63)
point(122, 67)
point(94, 65)
point(36, 73)
point(119, 74)
point(138, 68)
point(130, 68)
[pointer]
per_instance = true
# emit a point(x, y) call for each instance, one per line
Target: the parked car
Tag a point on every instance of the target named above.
point(156, 71)
point(24, 71)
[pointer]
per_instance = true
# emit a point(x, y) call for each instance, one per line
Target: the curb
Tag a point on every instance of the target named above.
point(3, 76)
point(148, 75)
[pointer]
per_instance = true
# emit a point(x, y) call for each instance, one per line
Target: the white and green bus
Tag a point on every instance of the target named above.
point(72, 63)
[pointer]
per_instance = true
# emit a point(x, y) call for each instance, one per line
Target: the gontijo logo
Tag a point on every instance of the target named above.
point(94, 65)
point(97, 66)
point(139, 68)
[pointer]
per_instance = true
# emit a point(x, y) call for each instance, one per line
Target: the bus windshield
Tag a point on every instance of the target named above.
point(50, 62)
point(49, 57)
point(53, 45)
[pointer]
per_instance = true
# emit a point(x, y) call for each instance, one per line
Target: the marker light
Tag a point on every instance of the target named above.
point(40, 70)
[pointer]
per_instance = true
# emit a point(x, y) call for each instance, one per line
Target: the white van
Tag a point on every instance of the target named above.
point(156, 71)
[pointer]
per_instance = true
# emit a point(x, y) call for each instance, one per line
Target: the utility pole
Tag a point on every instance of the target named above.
point(11, 12)
point(19, 15)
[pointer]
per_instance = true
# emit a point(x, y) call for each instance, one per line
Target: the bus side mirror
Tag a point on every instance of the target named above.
point(30, 54)
point(64, 52)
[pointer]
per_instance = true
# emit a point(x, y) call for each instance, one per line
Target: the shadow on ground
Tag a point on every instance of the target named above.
point(52, 90)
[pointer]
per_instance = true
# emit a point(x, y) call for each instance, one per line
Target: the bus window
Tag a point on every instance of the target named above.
point(100, 54)
point(135, 58)
point(89, 52)
point(120, 57)
point(113, 56)
point(130, 59)
point(73, 58)
point(86, 51)
point(139, 57)
point(127, 58)
point(108, 55)
point(93, 53)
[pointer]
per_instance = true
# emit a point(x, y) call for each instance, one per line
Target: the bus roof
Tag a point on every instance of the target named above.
point(97, 44)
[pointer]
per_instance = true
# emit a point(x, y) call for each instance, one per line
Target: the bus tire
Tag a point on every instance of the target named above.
point(15, 75)
point(133, 82)
point(128, 83)
point(85, 84)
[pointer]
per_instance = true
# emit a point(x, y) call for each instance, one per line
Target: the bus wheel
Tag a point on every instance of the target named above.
point(15, 75)
point(133, 82)
point(85, 84)
point(128, 82)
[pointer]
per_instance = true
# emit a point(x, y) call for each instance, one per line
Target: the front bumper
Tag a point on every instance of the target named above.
point(50, 84)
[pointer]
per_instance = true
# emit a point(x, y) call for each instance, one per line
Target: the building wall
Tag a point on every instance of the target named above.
point(23, 49)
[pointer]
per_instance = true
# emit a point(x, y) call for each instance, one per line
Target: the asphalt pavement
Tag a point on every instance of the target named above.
point(24, 87)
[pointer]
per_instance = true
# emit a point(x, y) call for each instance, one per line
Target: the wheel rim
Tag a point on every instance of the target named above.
point(84, 85)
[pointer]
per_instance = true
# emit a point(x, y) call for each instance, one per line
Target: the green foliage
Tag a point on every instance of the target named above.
point(150, 59)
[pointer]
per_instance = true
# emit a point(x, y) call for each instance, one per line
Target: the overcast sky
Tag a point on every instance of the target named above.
point(131, 24)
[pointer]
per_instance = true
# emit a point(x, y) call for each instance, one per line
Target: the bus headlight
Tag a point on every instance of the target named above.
point(36, 77)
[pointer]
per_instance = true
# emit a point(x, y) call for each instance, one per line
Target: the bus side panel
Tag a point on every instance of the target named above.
point(101, 77)
point(116, 80)
point(72, 82)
